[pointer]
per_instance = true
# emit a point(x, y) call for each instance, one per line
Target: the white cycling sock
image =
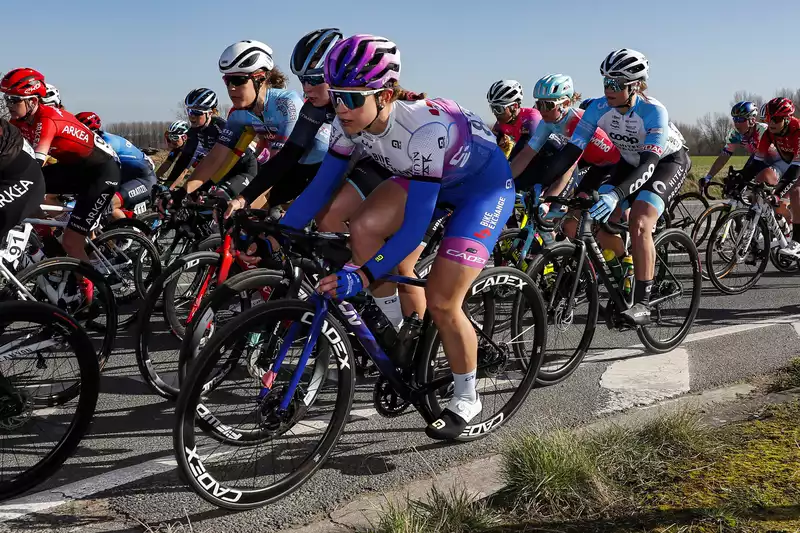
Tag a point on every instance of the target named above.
point(390, 305)
point(464, 386)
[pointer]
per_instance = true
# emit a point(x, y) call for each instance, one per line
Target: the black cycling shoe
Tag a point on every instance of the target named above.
point(451, 423)
point(638, 315)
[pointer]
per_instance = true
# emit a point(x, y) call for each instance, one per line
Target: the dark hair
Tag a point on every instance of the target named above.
point(276, 78)
point(404, 94)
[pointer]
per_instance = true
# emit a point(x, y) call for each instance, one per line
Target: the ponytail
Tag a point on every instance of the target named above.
point(405, 95)
point(276, 79)
point(576, 98)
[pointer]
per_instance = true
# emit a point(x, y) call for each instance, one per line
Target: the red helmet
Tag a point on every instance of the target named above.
point(23, 82)
point(90, 120)
point(780, 108)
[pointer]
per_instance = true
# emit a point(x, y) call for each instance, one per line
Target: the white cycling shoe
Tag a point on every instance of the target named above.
point(454, 419)
point(792, 250)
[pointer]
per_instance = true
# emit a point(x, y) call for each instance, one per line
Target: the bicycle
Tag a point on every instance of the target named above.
point(569, 281)
point(746, 236)
point(320, 328)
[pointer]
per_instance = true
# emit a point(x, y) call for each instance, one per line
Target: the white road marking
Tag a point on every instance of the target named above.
point(646, 380)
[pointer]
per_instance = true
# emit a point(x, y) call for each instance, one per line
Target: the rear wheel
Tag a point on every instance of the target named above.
point(737, 252)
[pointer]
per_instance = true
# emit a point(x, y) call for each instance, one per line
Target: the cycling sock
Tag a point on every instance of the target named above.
point(642, 291)
point(796, 232)
point(464, 386)
point(390, 305)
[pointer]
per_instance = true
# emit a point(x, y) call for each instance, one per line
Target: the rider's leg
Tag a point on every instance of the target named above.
point(116, 205)
point(344, 205)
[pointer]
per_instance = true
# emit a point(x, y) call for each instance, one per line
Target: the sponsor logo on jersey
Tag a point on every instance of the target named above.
point(141, 189)
point(78, 133)
point(441, 143)
point(655, 131)
point(287, 108)
point(37, 135)
point(397, 144)
point(601, 143)
point(421, 164)
point(624, 138)
point(490, 219)
point(9, 194)
point(656, 149)
point(469, 258)
point(482, 234)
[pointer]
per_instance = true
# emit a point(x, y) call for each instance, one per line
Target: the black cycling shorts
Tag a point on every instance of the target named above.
point(21, 192)
point(136, 191)
point(663, 185)
point(93, 185)
point(366, 176)
point(292, 184)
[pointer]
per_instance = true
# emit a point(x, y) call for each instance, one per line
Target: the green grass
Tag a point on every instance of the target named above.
point(701, 165)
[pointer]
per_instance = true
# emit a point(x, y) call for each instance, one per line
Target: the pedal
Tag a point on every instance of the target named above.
point(387, 402)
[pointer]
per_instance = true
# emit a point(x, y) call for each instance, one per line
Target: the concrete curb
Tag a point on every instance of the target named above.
point(482, 477)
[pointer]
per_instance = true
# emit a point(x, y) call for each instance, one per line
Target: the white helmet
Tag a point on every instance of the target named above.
point(762, 113)
point(505, 93)
point(179, 127)
point(246, 57)
point(52, 97)
point(625, 64)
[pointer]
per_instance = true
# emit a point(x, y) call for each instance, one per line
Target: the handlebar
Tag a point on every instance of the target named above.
point(584, 205)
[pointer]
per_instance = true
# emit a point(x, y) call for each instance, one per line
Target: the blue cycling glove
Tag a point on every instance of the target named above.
point(604, 206)
point(348, 284)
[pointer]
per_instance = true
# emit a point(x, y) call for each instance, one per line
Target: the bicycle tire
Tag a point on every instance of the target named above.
point(677, 201)
point(429, 406)
point(102, 294)
point(129, 223)
point(651, 344)
point(88, 389)
point(717, 278)
point(170, 290)
point(189, 463)
point(144, 328)
point(708, 215)
point(537, 268)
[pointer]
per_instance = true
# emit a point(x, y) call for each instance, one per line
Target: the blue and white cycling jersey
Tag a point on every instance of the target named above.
point(644, 128)
point(281, 112)
point(133, 162)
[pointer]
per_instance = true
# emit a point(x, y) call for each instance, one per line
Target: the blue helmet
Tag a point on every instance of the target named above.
point(744, 109)
point(308, 56)
point(554, 86)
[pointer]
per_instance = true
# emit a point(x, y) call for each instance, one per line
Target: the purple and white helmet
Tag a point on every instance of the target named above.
point(363, 61)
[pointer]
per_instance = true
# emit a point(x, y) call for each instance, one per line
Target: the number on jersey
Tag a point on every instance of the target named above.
point(477, 126)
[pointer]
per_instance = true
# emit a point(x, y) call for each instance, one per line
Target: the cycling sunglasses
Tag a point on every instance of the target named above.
point(548, 105)
point(739, 120)
point(174, 137)
point(195, 112)
point(498, 109)
point(313, 80)
point(350, 99)
point(237, 80)
point(614, 84)
point(14, 100)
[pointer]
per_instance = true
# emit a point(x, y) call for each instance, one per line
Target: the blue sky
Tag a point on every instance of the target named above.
point(137, 60)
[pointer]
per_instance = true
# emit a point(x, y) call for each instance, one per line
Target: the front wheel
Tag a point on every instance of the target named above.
point(737, 252)
point(675, 295)
point(504, 380)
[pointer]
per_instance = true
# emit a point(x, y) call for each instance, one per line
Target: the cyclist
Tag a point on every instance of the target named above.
point(437, 151)
point(514, 122)
point(746, 133)
point(783, 132)
point(206, 130)
point(175, 136)
point(262, 106)
point(652, 170)
point(137, 178)
point(52, 97)
point(21, 179)
point(555, 95)
point(87, 166)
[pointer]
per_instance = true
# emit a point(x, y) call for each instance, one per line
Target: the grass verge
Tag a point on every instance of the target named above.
point(701, 164)
point(787, 378)
point(671, 474)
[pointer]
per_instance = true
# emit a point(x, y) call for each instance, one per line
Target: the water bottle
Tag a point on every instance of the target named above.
point(613, 263)
point(402, 353)
point(380, 326)
point(627, 276)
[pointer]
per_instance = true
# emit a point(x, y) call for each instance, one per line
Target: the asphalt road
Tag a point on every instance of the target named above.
point(124, 470)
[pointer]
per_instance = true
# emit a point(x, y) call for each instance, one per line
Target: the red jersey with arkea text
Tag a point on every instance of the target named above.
point(788, 144)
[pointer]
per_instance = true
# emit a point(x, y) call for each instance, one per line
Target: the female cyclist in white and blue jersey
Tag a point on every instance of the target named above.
point(654, 162)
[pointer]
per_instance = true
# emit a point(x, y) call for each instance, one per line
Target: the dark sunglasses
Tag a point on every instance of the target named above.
point(350, 99)
point(174, 138)
point(777, 120)
point(547, 105)
point(195, 112)
point(313, 80)
point(739, 120)
point(14, 100)
point(498, 109)
point(614, 84)
point(237, 80)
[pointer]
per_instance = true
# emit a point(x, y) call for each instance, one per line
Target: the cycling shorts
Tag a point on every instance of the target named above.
point(481, 207)
point(663, 185)
point(291, 186)
point(21, 192)
point(366, 176)
point(135, 191)
point(94, 186)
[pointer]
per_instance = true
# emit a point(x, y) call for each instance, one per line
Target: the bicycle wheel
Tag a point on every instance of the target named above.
point(247, 453)
point(683, 214)
point(55, 281)
point(569, 335)
point(503, 379)
point(675, 296)
point(158, 344)
point(237, 294)
point(735, 243)
point(43, 419)
point(196, 277)
point(706, 222)
point(130, 263)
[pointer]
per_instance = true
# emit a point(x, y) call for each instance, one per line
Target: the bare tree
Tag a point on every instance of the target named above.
point(746, 96)
point(3, 108)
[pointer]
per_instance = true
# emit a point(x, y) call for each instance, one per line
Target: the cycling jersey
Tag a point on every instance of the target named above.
point(644, 128)
point(281, 115)
point(133, 163)
point(600, 151)
point(11, 143)
point(58, 133)
point(440, 151)
point(749, 141)
point(787, 145)
point(526, 122)
point(198, 143)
